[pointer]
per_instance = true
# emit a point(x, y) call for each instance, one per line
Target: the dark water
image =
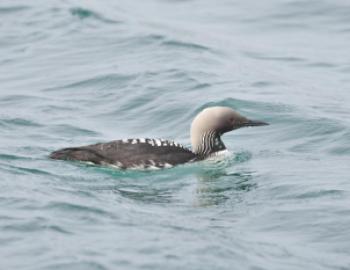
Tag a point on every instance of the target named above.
point(79, 72)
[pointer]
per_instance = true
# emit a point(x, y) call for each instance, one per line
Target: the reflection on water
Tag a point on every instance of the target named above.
point(144, 194)
point(215, 182)
point(80, 72)
point(217, 186)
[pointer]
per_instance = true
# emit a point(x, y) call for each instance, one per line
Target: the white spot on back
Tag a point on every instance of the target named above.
point(167, 165)
point(137, 166)
point(152, 162)
point(113, 166)
point(119, 164)
point(89, 162)
point(151, 142)
point(158, 142)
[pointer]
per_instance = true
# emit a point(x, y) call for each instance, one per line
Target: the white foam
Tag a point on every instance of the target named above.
point(219, 155)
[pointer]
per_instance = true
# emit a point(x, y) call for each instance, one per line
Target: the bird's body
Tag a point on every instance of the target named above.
point(206, 131)
point(130, 154)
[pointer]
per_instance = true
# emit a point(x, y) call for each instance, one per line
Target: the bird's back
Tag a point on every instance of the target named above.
point(131, 153)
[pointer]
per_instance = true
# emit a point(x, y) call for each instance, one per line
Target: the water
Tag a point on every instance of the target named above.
point(80, 72)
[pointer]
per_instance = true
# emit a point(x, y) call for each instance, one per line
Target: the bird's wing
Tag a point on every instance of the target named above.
point(130, 153)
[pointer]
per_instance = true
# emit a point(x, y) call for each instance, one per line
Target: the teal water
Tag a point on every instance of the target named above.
point(79, 72)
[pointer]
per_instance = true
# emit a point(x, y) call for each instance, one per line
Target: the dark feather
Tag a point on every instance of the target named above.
point(130, 153)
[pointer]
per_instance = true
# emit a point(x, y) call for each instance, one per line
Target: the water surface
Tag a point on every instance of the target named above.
point(78, 72)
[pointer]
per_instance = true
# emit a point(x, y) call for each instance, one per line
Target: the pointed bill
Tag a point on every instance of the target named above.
point(254, 123)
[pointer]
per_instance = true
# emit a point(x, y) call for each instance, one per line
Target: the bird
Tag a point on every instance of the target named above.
point(206, 131)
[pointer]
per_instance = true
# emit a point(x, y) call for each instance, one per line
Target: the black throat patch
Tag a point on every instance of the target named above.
point(211, 142)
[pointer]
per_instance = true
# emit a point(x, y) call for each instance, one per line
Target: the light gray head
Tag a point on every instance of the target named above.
point(208, 126)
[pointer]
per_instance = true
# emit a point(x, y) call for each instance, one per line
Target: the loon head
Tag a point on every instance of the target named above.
point(208, 126)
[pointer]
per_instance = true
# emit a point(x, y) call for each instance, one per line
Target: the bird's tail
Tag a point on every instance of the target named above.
point(77, 153)
point(65, 154)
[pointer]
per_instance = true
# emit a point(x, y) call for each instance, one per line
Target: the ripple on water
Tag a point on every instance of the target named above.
point(257, 56)
point(84, 264)
point(13, 9)
point(78, 73)
point(185, 45)
point(13, 122)
point(95, 83)
point(13, 157)
point(24, 170)
point(73, 131)
point(73, 209)
point(83, 13)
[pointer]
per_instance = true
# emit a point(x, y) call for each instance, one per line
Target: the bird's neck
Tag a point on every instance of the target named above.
point(207, 144)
